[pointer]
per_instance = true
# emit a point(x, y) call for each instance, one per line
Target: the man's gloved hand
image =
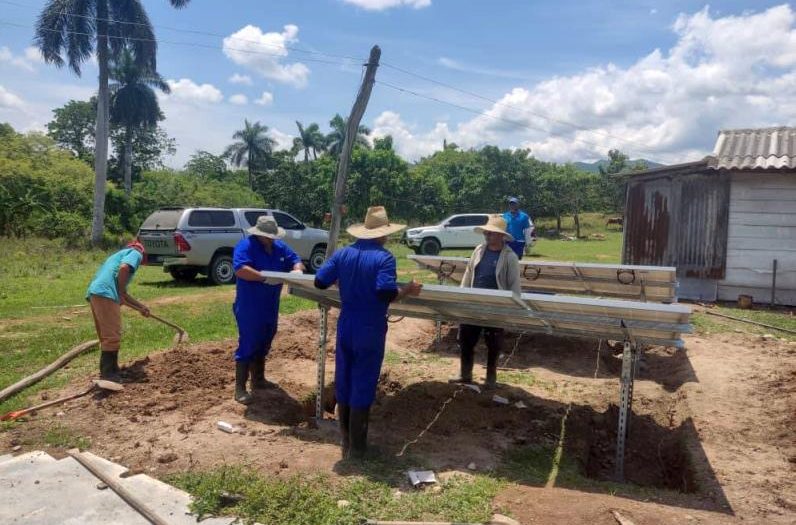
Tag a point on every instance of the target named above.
point(297, 271)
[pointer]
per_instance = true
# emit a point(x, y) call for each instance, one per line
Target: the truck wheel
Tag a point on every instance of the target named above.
point(184, 275)
point(221, 270)
point(430, 246)
point(317, 258)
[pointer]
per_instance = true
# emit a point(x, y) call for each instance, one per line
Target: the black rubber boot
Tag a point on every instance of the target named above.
point(465, 366)
point(344, 419)
point(358, 429)
point(258, 375)
point(241, 375)
point(109, 366)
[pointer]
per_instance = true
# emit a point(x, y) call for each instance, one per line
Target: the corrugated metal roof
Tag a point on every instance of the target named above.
point(749, 149)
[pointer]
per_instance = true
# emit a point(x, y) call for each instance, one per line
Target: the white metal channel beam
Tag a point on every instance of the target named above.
point(647, 323)
point(644, 283)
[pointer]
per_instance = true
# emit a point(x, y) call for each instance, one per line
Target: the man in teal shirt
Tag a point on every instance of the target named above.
point(106, 293)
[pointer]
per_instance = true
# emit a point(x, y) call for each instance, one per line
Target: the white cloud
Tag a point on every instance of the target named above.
point(25, 61)
point(380, 5)
point(264, 52)
point(238, 99)
point(722, 72)
point(186, 90)
point(266, 99)
point(283, 140)
point(237, 78)
point(9, 100)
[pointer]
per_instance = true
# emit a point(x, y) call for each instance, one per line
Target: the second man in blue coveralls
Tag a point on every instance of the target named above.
point(256, 304)
point(365, 273)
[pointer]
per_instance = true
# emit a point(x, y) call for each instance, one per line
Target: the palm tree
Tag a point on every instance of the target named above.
point(69, 31)
point(335, 139)
point(309, 139)
point(133, 103)
point(254, 145)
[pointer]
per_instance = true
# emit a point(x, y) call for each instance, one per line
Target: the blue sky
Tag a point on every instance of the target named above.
point(569, 79)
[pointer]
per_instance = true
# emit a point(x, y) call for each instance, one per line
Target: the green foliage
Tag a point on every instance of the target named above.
point(46, 191)
point(73, 128)
point(205, 164)
point(63, 437)
point(613, 179)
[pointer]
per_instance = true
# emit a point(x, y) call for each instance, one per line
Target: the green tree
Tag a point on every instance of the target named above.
point(310, 139)
point(205, 164)
point(253, 148)
point(613, 179)
point(75, 28)
point(133, 104)
point(335, 138)
point(73, 127)
point(578, 191)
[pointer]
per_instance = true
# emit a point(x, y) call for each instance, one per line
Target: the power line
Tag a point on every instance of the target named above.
point(497, 102)
point(198, 32)
point(171, 42)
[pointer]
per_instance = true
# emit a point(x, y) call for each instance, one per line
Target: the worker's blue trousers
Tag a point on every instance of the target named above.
point(254, 338)
point(517, 247)
point(358, 358)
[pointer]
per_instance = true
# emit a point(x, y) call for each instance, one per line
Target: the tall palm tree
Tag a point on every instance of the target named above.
point(254, 146)
point(309, 139)
point(69, 31)
point(335, 139)
point(133, 103)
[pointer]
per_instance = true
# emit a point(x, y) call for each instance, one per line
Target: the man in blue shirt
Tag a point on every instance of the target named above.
point(106, 294)
point(256, 306)
point(365, 273)
point(518, 225)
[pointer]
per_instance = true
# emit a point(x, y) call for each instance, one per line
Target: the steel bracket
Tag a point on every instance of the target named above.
point(322, 340)
point(630, 361)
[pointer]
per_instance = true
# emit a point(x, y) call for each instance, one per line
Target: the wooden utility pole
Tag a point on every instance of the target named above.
point(344, 162)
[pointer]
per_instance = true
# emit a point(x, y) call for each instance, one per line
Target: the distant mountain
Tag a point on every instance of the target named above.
point(594, 167)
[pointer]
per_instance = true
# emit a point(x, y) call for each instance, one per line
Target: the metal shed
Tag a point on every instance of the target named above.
point(727, 222)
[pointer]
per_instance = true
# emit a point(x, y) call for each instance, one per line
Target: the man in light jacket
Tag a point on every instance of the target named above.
point(493, 265)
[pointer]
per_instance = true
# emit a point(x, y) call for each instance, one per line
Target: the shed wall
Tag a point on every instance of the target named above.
point(762, 227)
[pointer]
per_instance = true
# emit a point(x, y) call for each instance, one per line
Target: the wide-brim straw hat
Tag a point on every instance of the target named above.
point(496, 224)
point(266, 227)
point(376, 225)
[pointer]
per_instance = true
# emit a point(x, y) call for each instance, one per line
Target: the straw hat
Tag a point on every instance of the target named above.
point(376, 225)
point(496, 224)
point(266, 227)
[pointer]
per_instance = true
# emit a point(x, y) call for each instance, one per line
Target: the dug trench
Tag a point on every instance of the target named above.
point(562, 433)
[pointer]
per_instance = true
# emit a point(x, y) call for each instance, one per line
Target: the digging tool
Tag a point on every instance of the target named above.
point(180, 337)
point(100, 384)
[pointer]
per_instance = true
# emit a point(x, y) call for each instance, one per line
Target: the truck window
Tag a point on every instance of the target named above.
point(478, 220)
point(162, 220)
point(287, 222)
point(461, 220)
point(211, 219)
point(251, 216)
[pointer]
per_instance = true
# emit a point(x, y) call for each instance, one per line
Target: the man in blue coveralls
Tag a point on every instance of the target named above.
point(256, 304)
point(518, 225)
point(365, 274)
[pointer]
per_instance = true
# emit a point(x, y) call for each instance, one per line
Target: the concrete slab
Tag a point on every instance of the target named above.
point(37, 489)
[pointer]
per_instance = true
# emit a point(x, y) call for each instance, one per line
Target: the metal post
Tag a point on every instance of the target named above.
point(774, 285)
point(629, 363)
point(441, 281)
point(321, 362)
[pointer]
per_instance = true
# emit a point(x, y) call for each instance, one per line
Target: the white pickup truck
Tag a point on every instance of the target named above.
point(191, 241)
point(457, 231)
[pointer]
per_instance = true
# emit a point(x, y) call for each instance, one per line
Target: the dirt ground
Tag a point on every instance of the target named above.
point(712, 437)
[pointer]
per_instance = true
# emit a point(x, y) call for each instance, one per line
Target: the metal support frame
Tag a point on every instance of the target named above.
point(631, 355)
point(440, 281)
point(322, 340)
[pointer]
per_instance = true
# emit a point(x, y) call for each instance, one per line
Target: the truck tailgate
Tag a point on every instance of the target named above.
point(158, 244)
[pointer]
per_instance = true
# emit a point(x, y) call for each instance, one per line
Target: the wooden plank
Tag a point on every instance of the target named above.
point(761, 278)
point(756, 206)
point(756, 243)
point(786, 193)
point(763, 219)
point(783, 233)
